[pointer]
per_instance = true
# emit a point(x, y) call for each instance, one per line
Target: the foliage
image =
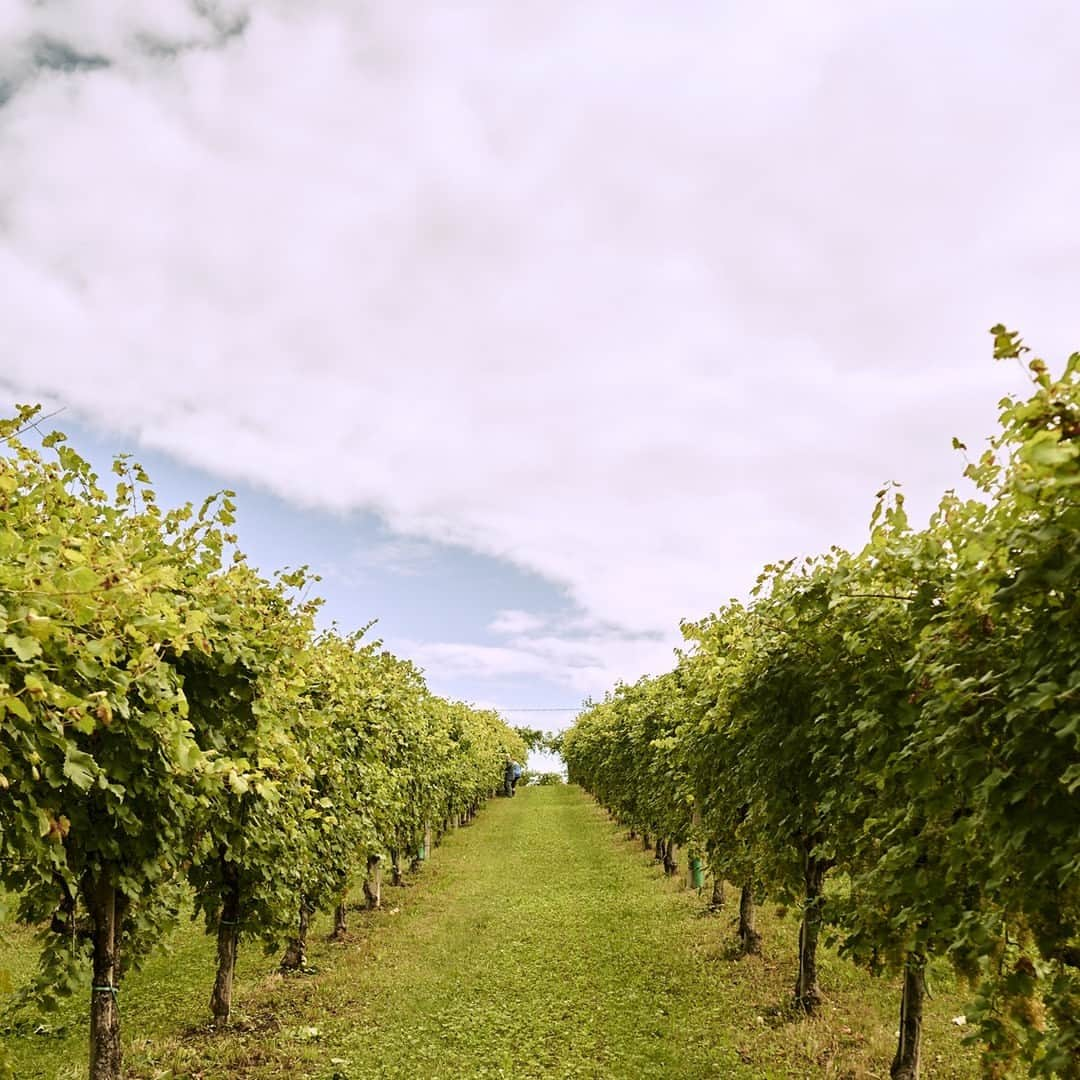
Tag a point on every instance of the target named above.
point(542, 779)
point(907, 714)
point(538, 916)
point(533, 738)
point(166, 711)
point(99, 767)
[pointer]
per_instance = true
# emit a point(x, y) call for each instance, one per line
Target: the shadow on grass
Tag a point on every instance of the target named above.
point(784, 1014)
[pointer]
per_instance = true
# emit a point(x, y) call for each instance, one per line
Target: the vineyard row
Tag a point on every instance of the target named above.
point(173, 723)
point(903, 721)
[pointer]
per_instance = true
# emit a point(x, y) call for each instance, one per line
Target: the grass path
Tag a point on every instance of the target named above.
point(536, 943)
point(540, 951)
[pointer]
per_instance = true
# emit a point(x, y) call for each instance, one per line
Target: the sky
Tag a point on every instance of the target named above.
point(460, 615)
point(535, 327)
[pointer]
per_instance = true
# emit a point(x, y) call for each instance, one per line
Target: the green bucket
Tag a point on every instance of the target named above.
point(697, 874)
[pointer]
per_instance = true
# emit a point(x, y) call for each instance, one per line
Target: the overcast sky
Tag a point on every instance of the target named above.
point(586, 310)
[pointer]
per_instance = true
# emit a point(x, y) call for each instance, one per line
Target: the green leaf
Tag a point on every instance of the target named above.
point(83, 579)
point(25, 648)
point(15, 705)
point(237, 783)
point(80, 768)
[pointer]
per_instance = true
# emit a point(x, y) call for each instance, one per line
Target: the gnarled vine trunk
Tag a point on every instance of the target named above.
point(296, 951)
point(104, 1010)
point(658, 854)
point(228, 939)
point(341, 919)
point(749, 938)
point(717, 900)
point(807, 991)
point(373, 882)
point(395, 866)
point(905, 1065)
point(671, 864)
point(646, 843)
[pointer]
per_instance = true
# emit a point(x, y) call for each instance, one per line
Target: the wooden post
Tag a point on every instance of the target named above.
point(104, 1012)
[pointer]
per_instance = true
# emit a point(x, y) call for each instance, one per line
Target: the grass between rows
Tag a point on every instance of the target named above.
point(536, 943)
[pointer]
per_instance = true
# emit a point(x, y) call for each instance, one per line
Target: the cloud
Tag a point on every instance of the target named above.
point(401, 556)
point(637, 296)
point(569, 649)
point(585, 667)
point(516, 622)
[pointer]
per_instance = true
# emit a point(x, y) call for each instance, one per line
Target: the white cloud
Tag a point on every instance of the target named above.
point(516, 622)
point(570, 650)
point(584, 666)
point(402, 556)
point(638, 296)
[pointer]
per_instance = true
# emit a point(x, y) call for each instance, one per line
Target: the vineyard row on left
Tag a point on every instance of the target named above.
point(171, 720)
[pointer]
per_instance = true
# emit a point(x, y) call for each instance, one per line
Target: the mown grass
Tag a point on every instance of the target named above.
point(536, 943)
point(165, 1000)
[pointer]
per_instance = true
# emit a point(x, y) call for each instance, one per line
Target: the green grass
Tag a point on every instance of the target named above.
point(167, 997)
point(536, 943)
